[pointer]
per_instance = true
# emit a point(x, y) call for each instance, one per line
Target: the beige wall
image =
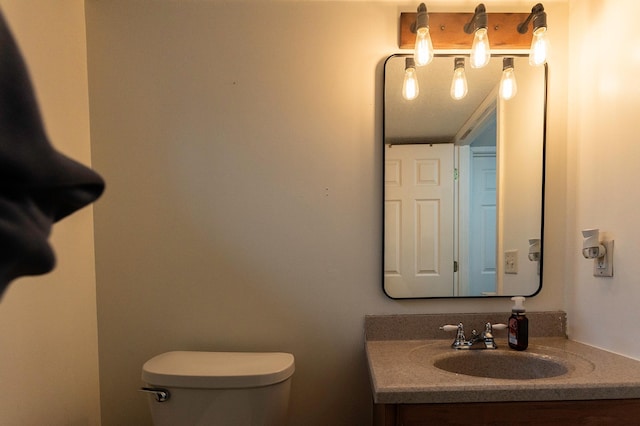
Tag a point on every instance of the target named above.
point(242, 147)
point(48, 331)
point(604, 152)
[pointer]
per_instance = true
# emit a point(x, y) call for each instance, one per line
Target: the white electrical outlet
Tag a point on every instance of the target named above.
point(603, 266)
point(511, 262)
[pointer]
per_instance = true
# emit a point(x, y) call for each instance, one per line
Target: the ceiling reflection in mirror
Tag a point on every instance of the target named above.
point(463, 182)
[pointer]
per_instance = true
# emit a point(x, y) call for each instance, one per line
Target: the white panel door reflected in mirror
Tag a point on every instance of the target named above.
point(463, 182)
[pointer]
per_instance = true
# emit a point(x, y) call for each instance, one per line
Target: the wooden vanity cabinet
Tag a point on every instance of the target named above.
point(548, 413)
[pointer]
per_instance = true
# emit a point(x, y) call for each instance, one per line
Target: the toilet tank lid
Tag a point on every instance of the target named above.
point(218, 370)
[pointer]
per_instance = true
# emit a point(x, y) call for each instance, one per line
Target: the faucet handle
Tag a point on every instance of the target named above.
point(488, 328)
point(460, 340)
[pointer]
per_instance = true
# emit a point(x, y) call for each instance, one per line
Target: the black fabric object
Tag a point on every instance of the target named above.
point(38, 184)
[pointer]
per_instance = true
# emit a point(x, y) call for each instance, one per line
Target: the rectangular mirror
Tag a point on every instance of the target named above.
point(463, 182)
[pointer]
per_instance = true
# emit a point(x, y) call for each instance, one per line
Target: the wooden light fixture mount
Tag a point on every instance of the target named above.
point(447, 31)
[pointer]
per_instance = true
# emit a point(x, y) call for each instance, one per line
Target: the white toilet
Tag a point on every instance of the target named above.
point(218, 388)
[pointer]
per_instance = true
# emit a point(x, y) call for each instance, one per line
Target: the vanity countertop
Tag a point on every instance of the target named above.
point(398, 376)
point(401, 372)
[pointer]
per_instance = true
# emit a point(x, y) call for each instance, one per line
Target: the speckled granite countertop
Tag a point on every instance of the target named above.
point(402, 371)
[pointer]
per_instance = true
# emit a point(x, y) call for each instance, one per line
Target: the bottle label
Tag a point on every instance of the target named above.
point(513, 331)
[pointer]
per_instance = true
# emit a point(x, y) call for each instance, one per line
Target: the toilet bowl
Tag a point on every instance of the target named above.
point(189, 388)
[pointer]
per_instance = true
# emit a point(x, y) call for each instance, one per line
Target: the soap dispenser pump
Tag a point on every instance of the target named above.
point(518, 326)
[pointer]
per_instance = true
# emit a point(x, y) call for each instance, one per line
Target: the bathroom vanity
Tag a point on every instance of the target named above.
point(418, 379)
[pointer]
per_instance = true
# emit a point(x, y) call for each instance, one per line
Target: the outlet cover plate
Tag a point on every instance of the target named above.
point(603, 266)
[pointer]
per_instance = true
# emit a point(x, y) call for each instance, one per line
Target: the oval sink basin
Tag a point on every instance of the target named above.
point(502, 365)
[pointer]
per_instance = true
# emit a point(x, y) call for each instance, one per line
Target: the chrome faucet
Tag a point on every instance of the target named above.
point(482, 340)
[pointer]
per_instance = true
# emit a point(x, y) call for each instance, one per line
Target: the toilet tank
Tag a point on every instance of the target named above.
point(219, 388)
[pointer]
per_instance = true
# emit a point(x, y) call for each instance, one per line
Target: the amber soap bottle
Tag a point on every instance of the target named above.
point(518, 330)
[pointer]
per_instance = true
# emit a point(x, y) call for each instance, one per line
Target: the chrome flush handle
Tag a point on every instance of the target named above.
point(161, 395)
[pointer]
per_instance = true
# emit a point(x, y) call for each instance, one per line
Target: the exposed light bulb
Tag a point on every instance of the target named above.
point(410, 88)
point(424, 48)
point(539, 42)
point(508, 85)
point(539, 47)
point(480, 49)
point(459, 83)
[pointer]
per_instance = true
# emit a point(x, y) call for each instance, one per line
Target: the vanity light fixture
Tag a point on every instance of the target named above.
point(539, 42)
point(447, 30)
point(410, 88)
point(424, 47)
point(480, 49)
point(600, 251)
point(459, 83)
point(424, 32)
point(508, 85)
